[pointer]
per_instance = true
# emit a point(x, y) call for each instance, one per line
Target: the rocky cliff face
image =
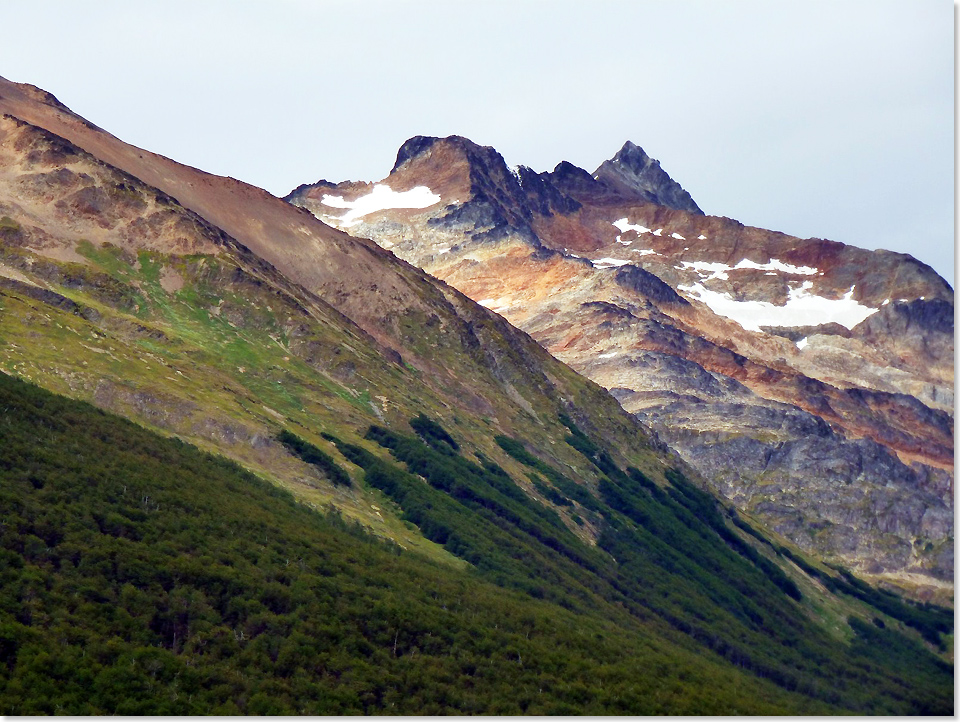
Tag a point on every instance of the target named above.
point(810, 380)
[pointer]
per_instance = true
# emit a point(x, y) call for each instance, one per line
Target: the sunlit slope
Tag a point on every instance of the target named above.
point(426, 417)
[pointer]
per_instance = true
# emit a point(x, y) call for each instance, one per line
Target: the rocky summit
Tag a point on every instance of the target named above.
point(809, 381)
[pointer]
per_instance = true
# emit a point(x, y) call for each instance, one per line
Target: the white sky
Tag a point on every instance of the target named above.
point(826, 118)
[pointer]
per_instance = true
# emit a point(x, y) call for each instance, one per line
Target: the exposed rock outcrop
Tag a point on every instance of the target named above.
point(632, 171)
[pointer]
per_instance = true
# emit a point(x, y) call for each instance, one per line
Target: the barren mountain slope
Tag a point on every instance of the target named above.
point(810, 381)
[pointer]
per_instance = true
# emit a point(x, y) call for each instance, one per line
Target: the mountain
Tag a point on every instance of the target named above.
point(639, 176)
point(810, 382)
point(342, 486)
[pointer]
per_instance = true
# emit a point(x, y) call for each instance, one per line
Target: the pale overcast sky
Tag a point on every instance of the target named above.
point(825, 118)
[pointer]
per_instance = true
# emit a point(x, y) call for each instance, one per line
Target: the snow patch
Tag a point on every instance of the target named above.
point(717, 270)
point(607, 355)
point(644, 251)
point(624, 225)
point(701, 237)
point(496, 304)
point(777, 265)
point(609, 262)
point(677, 236)
point(658, 232)
point(801, 309)
point(801, 344)
point(381, 198)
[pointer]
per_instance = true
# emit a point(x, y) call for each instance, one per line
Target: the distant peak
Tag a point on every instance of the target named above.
point(420, 144)
point(633, 155)
point(633, 158)
point(412, 148)
point(634, 172)
point(565, 169)
point(631, 174)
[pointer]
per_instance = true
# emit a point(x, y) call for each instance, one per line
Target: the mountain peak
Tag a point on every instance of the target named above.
point(629, 147)
point(412, 148)
point(419, 144)
point(634, 172)
point(632, 156)
point(630, 174)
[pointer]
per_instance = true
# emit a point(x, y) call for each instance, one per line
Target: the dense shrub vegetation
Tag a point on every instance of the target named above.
point(318, 458)
point(434, 434)
point(928, 619)
point(678, 558)
point(139, 575)
point(562, 483)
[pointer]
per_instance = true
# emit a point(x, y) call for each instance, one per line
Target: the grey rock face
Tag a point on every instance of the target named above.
point(497, 205)
point(412, 148)
point(632, 170)
point(789, 467)
point(636, 279)
point(543, 195)
point(923, 328)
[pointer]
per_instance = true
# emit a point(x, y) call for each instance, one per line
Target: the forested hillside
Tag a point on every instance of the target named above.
point(142, 576)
